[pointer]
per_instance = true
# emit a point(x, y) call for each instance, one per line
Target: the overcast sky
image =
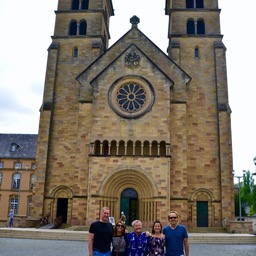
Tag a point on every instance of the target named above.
point(26, 27)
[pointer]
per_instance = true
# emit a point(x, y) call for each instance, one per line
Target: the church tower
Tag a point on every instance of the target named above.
point(131, 127)
point(195, 44)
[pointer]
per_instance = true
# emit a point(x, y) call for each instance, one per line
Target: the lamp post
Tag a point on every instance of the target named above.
point(254, 160)
point(20, 172)
point(239, 194)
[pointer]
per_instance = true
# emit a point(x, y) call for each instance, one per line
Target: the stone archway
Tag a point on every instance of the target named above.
point(202, 209)
point(115, 183)
point(62, 203)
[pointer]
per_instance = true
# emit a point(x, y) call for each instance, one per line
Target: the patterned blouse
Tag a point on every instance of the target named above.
point(156, 246)
point(137, 245)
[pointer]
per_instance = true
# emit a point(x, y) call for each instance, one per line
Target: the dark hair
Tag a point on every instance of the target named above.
point(157, 221)
point(115, 228)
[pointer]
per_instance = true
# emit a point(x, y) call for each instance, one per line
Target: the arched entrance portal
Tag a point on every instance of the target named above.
point(129, 205)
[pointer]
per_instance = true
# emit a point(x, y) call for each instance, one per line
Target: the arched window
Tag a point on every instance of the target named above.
point(85, 4)
point(190, 27)
point(196, 52)
point(130, 148)
point(200, 27)
point(189, 3)
point(113, 148)
point(121, 151)
point(16, 181)
point(199, 3)
point(82, 28)
point(162, 148)
point(75, 53)
point(105, 148)
point(97, 148)
point(154, 148)
point(73, 28)
point(138, 148)
point(75, 5)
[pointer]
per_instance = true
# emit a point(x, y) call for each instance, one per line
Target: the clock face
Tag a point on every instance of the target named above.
point(131, 97)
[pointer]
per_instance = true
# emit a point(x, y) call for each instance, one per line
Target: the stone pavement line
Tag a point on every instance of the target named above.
point(63, 234)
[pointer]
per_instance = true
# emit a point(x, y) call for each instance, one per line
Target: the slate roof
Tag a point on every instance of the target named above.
point(24, 143)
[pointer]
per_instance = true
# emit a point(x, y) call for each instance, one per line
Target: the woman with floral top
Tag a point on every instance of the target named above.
point(157, 240)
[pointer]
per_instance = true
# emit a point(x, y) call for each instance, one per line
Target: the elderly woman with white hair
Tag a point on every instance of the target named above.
point(137, 241)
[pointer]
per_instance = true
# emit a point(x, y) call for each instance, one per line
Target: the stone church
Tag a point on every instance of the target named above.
point(132, 127)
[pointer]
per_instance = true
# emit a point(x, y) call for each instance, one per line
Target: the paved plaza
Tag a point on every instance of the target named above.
point(34, 247)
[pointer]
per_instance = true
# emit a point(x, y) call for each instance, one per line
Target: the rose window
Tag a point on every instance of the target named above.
point(131, 97)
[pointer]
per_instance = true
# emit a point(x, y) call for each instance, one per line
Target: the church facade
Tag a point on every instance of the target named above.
point(131, 127)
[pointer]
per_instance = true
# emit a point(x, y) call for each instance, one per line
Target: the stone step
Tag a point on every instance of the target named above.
point(62, 234)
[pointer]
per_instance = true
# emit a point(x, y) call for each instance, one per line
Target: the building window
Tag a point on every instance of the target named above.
point(196, 52)
point(17, 166)
point(73, 28)
point(33, 166)
point(1, 177)
point(131, 97)
point(16, 181)
point(82, 28)
point(194, 3)
point(14, 204)
point(200, 27)
point(75, 53)
point(32, 178)
point(85, 4)
point(14, 147)
point(199, 3)
point(189, 3)
point(1, 165)
point(190, 27)
point(75, 5)
point(29, 206)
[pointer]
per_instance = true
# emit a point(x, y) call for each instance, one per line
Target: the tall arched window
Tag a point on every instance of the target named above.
point(75, 5)
point(82, 28)
point(189, 3)
point(200, 27)
point(16, 181)
point(73, 28)
point(190, 27)
point(85, 4)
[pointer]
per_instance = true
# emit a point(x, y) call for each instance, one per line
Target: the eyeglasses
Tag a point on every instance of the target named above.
point(118, 225)
point(172, 218)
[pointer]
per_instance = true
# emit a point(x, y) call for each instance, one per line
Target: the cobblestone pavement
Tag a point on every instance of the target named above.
point(34, 247)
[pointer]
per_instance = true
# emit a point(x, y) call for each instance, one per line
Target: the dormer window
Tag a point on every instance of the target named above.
point(14, 147)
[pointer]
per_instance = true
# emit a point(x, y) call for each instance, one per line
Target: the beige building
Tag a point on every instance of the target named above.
point(17, 167)
point(131, 127)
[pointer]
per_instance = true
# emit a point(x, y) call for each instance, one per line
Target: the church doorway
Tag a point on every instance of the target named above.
point(129, 205)
point(202, 214)
point(62, 208)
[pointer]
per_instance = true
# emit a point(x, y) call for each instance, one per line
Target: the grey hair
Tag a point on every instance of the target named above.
point(135, 222)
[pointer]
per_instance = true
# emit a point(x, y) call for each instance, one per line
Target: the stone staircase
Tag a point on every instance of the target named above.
point(63, 234)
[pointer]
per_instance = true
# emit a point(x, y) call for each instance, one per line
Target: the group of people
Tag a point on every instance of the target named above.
point(104, 240)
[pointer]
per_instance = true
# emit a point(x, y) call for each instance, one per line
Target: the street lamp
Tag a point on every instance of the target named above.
point(20, 172)
point(254, 160)
point(239, 194)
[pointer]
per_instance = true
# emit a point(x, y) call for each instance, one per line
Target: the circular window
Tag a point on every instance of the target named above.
point(131, 97)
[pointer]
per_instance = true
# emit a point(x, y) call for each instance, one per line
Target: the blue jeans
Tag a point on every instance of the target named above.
point(97, 253)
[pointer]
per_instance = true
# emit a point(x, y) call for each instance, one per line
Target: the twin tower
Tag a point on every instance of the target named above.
point(131, 127)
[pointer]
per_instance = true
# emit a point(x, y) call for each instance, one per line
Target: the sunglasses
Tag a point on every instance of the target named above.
point(172, 218)
point(120, 225)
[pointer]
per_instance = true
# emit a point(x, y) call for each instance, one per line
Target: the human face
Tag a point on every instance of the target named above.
point(137, 227)
point(119, 227)
point(173, 218)
point(157, 228)
point(104, 215)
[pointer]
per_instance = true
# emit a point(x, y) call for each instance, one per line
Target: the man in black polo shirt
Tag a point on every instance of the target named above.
point(100, 235)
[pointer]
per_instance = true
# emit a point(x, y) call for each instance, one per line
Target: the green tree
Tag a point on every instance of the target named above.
point(248, 193)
